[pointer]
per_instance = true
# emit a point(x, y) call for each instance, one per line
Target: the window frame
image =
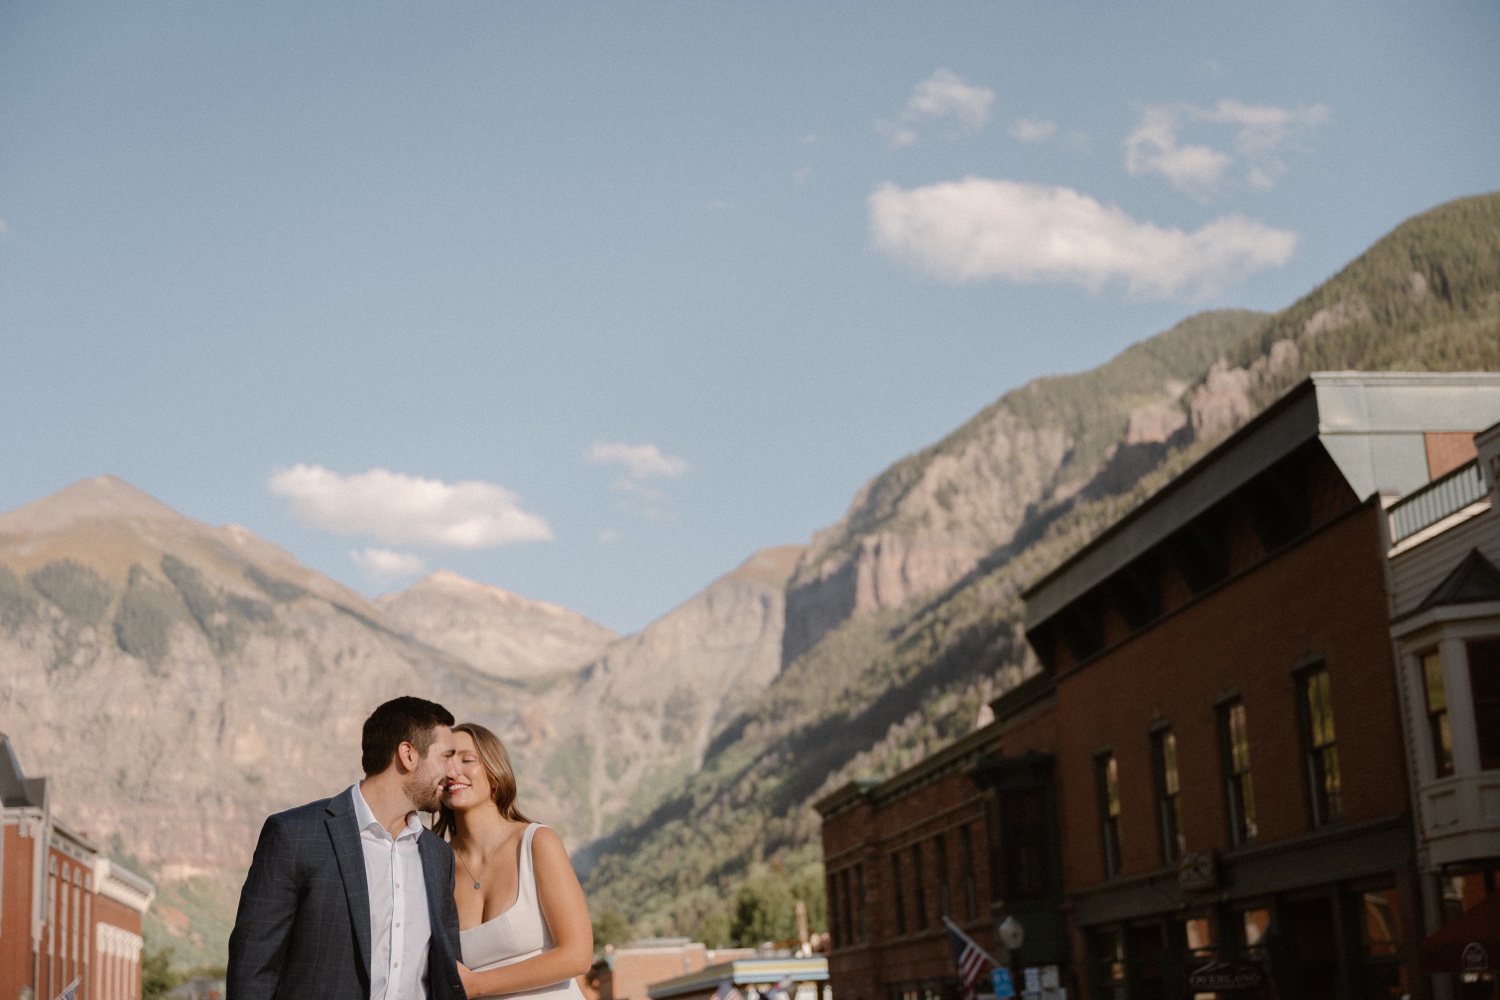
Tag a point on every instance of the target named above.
point(971, 884)
point(1439, 726)
point(1486, 708)
point(940, 861)
point(1107, 789)
point(1320, 755)
point(919, 875)
point(1168, 800)
point(1239, 783)
point(896, 894)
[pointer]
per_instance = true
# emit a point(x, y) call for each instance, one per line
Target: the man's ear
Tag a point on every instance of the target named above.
point(407, 757)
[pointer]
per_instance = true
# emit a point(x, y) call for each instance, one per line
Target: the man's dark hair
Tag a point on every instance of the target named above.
point(400, 720)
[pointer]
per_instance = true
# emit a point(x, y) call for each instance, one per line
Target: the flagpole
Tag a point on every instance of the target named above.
point(957, 930)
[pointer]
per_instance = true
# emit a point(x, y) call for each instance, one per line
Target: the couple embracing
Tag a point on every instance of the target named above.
point(353, 898)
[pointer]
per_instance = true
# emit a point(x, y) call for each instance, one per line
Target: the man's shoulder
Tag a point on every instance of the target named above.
point(310, 812)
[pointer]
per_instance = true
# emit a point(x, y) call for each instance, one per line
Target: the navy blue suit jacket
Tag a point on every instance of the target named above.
point(303, 926)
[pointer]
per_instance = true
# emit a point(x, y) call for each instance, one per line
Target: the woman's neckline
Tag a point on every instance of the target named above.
point(520, 852)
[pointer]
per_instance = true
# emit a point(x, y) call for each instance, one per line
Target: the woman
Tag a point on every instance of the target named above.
point(523, 924)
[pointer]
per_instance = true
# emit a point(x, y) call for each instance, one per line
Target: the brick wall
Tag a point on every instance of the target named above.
point(1322, 598)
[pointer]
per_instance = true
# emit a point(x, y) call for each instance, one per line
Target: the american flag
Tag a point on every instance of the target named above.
point(968, 957)
point(71, 993)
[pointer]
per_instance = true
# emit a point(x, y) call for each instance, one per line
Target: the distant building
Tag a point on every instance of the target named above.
point(900, 855)
point(771, 978)
point(66, 911)
point(1210, 764)
point(1445, 623)
point(625, 973)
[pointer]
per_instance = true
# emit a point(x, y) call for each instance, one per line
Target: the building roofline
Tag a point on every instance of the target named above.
point(742, 971)
point(1354, 414)
point(876, 790)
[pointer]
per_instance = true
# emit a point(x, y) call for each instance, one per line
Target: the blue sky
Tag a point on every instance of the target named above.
point(592, 301)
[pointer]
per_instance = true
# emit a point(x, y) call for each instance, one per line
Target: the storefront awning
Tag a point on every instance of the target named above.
point(1470, 943)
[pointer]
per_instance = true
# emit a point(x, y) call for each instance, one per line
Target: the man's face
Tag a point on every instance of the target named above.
point(424, 783)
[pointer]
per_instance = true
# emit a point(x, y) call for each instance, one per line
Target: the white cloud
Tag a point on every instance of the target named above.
point(641, 461)
point(800, 176)
point(407, 510)
point(2, 227)
point(385, 564)
point(810, 139)
point(978, 228)
point(1033, 130)
point(1260, 132)
point(607, 535)
point(941, 96)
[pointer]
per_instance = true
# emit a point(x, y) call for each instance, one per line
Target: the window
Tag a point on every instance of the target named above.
point(1107, 779)
point(1256, 924)
point(1238, 788)
point(921, 900)
point(833, 912)
point(940, 845)
point(1437, 713)
point(1024, 843)
point(863, 923)
point(1484, 683)
point(1168, 795)
point(896, 894)
point(1385, 973)
point(846, 911)
point(971, 894)
point(1320, 746)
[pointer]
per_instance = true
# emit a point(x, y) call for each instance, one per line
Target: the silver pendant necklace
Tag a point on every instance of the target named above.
point(482, 863)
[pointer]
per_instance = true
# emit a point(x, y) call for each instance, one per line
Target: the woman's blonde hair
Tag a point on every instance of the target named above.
point(497, 768)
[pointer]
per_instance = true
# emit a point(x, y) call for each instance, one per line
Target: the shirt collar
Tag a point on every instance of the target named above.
point(365, 817)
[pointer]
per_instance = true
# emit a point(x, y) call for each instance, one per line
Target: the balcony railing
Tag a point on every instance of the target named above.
point(1435, 501)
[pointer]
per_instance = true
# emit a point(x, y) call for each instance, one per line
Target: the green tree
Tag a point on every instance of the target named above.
point(764, 909)
point(156, 973)
point(611, 928)
point(717, 929)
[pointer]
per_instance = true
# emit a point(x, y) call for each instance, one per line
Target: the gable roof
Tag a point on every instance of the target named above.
point(1473, 579)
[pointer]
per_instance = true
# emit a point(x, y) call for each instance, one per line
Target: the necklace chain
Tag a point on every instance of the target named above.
point(484, 863)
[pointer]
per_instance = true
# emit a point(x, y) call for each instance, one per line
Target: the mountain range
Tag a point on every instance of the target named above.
point(179, 681)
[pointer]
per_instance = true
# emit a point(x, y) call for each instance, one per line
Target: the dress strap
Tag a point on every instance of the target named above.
point(528, 872)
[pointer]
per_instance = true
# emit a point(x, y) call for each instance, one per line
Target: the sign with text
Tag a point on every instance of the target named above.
point(1004, 988)
point(1214, 977)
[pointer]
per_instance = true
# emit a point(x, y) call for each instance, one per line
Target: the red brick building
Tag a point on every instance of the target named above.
point(66, 911)
point(1210, 765)
point(899, 855)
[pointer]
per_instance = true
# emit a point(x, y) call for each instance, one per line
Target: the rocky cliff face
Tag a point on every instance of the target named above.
point(645, 711)
point(922, 525)
point(503, 634)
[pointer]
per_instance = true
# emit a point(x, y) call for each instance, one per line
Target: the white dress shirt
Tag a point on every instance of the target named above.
point(399, 926)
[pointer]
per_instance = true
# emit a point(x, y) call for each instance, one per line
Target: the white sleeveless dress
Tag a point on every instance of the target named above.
point(517, 934)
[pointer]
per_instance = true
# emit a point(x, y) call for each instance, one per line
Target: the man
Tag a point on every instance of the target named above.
point(351, 898)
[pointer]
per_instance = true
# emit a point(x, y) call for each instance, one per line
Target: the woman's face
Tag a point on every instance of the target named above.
point(471, 786)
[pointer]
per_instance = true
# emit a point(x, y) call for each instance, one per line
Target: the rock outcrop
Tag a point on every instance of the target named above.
point(503, 634)
point(933, 517)
point(645, 711)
